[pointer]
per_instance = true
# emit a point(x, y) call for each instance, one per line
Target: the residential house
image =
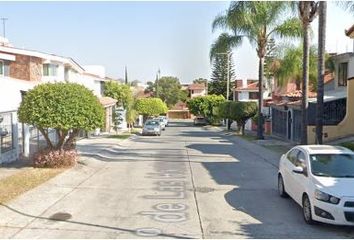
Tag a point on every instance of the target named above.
point(197, 90)
point(287, 112)
point(246, 90)
point(21, 70)
point(180, 110)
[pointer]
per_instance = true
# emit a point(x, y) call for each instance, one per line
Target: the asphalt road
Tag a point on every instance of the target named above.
point(190, 182)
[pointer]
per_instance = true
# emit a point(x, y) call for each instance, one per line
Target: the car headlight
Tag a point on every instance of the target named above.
point(325, 197)
point(156, 129)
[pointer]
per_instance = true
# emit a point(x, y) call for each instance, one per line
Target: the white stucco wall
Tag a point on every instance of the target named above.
point(96, 69)
point(10, 95)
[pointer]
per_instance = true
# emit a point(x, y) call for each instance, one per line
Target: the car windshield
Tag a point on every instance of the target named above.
point(332, 165)
point(151, 123)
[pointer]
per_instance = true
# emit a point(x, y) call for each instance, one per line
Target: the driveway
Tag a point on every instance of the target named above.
point(191, 182)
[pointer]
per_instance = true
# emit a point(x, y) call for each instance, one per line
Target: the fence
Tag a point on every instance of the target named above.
point(36, 140)
point(8, 137)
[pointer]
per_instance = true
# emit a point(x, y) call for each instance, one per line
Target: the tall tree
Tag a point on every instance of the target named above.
point(168, 89)
point(218, 83)
point(269, 58)
point(307, 13)
point(257, 21)
point(347, 5)
point(321, 70)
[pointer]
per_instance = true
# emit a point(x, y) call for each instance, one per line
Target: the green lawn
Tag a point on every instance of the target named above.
point(121, 136)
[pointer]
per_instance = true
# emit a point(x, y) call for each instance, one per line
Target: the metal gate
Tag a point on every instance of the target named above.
point(279, 122)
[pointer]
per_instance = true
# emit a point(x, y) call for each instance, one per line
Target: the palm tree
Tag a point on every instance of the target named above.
point(287, 66)
point(321, 70)
point(307, 13)
point(258, 22)
point(347, 5)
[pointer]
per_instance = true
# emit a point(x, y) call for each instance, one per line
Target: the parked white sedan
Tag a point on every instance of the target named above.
point(321, 179)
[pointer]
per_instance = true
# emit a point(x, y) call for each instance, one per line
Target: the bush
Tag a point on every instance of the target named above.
point(65, 107)
point(206, 106)
point(239, 112)
point(49, 158)
point(150, 106)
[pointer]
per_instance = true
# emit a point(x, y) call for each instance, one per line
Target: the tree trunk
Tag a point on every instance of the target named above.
point(70, 142)
point(46, 137)
point(260, 99)
point(305, 77)
point(321, 70)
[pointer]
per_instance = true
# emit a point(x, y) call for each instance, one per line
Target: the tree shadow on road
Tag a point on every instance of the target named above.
point(255, 194)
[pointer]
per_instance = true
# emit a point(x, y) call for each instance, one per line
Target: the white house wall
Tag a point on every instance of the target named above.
point(10, 92)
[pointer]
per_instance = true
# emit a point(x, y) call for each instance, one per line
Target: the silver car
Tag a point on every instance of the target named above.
point(152, 127)
point(162, 123)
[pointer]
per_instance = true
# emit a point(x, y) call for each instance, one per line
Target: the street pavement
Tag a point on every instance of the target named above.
point(191, 182)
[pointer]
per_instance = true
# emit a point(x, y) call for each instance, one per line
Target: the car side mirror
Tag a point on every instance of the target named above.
point(298, 170)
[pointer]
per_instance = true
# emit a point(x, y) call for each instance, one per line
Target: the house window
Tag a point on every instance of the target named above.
point(50, 70)
point(1, 68)
point(102, 87)
point(343, 74)
point(253, 95)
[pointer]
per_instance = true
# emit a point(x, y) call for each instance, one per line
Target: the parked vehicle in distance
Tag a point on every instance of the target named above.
point(152, 127)
point(320, 178)
point(165, 119)
point(162, 123)
point(200, 121)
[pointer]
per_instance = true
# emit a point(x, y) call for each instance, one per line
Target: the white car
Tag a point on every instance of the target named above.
point(321, 179)
point(165, 119)
point(152, 127)
point(162, 123)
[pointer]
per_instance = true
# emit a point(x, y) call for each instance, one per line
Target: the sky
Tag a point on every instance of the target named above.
point(174, 37)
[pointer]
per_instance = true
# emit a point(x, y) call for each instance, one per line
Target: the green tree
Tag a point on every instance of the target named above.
point(121, 92)
point(218, 83)
point(239, 112)
point(258, 21)
point(291, 66)
point(150, 106)
point(65, 107)
point(166, 88)
point(205, 106)
point(201, 80)
point(169, 90)
point(183, 95)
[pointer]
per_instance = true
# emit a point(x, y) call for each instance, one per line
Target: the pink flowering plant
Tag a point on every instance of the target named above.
point(51, 158)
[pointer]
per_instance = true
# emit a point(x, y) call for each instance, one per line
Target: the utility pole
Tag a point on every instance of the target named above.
point(126, 76)
point(157, 82)
point(3, 26)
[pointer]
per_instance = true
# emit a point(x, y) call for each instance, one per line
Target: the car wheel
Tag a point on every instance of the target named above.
point(306, 210)
point(281, 187)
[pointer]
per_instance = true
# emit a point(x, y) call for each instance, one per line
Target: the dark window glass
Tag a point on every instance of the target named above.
point(343, 74)
point(292, 156)
point(332, 165)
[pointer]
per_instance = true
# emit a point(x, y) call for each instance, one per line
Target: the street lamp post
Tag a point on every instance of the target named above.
point(228, 54)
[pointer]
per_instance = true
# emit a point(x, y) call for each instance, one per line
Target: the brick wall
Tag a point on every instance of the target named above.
point(26, 68)
point(20, 68)
point(36, 68)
